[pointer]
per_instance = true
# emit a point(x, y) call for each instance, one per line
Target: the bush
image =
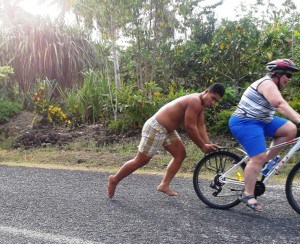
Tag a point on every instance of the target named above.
point(6, 86)
point(217, 117)
point(136, 106)
point(118, 126)
point(43, 106)
point(221, 124)
point(295, 104)
point(93, 102)
point(8, 109)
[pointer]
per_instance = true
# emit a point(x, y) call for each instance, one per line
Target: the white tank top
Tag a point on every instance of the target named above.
point(254, 105)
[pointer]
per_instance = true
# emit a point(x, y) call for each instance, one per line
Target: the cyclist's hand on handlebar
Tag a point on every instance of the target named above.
point(209, 147)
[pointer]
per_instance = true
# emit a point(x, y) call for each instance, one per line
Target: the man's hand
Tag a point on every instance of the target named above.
point(209, 148)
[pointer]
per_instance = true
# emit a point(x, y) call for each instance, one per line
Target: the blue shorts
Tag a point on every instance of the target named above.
point(251, 133)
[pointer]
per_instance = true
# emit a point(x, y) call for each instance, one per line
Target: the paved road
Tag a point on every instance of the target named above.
point(65, 206)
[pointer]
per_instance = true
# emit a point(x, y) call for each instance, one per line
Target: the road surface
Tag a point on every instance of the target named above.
point(70, 206)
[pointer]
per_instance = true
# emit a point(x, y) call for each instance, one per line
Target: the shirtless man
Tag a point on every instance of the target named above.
point(160, 131)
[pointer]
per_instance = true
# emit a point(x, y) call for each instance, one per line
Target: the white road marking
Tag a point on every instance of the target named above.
point(44, 236)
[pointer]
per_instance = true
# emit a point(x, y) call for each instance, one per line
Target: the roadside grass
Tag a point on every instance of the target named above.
point(86, 154)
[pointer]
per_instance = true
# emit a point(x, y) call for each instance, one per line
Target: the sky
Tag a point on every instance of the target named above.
point(33, 7)
point(226, 10)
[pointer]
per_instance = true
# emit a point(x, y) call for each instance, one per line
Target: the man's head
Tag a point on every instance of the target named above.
point(213, 94)
point(281, 65)
point(282, 70)
point(217, 88)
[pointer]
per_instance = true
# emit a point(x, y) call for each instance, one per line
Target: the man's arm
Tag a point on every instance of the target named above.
point(194, 109)
point(202, 131)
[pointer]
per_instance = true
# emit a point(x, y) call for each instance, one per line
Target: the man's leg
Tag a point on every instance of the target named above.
point(177, 150)
point(128, 168)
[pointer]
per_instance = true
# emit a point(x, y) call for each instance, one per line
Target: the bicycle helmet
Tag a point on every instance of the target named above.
point(282, 65)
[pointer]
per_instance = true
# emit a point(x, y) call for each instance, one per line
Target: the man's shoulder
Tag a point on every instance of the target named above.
point(193, 96)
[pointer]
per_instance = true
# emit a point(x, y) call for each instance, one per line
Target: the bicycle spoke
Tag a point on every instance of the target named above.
point(206, 181)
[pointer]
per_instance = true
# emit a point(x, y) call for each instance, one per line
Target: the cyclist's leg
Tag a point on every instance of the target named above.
point(251, 173)
point(285, 132)
point(175, 147)
point(250, 134)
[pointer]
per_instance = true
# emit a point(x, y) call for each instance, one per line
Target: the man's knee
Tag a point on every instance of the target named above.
point(292, 131)
point(180, 154)
point(288, 130)
point(258, 160)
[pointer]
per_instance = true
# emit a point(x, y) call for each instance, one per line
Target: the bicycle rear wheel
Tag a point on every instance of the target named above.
point(292, 188)
point(206, 182)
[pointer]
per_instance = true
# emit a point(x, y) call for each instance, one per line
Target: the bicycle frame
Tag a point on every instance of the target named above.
point(225, 179)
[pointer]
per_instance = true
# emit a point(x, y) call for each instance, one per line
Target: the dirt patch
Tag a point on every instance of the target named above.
point(28, 135)
point(17, 125)
point(88, 146)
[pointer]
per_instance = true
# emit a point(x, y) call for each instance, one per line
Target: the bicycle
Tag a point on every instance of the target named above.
point(218, 177)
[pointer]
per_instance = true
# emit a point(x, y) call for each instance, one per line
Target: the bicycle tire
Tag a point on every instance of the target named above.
point(292, 188)
point(205, 180)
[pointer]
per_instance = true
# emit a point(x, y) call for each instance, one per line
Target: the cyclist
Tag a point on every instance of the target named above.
point(160, 131)
point(254, 119)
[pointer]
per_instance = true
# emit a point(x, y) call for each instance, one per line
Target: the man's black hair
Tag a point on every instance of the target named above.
point(218, 88)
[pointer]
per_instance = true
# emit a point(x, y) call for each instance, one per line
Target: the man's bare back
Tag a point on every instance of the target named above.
point(172, 115)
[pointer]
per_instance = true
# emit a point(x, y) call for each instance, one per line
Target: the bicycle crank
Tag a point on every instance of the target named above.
point(217, 185)
point(259, 188)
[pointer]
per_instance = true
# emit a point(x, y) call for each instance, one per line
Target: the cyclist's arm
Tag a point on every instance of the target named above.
point(273, 95)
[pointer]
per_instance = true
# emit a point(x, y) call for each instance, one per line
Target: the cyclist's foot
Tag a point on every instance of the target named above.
point(251, 202)
point(166, 189)
point(111, 186)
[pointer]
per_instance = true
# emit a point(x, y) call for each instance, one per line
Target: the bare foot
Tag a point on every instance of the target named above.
point(167, 190)
point(111, 186)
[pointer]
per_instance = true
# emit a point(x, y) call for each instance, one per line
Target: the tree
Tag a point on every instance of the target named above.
point(37, 48)
point(234, 53)
point(107, 18)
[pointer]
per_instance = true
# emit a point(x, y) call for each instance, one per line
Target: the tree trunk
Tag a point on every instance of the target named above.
point(115, 57)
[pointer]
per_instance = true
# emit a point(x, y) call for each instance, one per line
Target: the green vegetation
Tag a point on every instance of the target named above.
point(9, 104)
point(8, 109)
point(71, 75)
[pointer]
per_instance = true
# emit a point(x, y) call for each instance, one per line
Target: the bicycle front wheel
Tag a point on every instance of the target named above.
point(292, 188)
point(213, 192)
